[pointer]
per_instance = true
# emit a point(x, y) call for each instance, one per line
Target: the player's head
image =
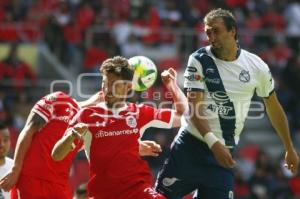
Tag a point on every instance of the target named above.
point(4, 140)
point(117, 79)
point(221, 28)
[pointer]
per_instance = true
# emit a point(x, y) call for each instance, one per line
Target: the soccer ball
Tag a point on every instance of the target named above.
point(145, 72)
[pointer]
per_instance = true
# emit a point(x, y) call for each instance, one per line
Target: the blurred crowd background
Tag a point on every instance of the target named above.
point(46, 40)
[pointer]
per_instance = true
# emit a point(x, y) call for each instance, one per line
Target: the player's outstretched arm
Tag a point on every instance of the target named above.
point(180, 101)
point(149, 148)
point(33, 124)
point(220, 152)
point(279, 122)
point(66, 144)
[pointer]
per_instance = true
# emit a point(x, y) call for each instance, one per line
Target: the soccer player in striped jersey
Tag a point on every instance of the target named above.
point(111, 130)
point(220, 80)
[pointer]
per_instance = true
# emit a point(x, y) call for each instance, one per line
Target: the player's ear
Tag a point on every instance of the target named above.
point(233, 32)
point(129, 85)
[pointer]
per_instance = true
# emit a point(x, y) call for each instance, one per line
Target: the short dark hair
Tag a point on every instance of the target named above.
point(226, 15)
point(118, 66)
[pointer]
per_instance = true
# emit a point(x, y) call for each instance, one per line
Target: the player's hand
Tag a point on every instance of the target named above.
point(10, 179)
point(79, 130)
point(292, 161)
point(168, 76)
point(222, 155)
point(149, 148)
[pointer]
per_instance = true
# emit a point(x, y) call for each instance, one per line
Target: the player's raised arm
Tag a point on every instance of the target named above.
point(180, 101)
point(279, 122)
point(66, 144)
point(33, 124)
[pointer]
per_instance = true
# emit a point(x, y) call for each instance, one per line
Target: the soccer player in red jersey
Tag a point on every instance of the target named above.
point(35, 173)
point(110, 132)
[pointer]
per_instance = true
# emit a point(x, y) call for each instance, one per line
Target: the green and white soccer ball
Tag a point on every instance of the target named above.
point(145, 72)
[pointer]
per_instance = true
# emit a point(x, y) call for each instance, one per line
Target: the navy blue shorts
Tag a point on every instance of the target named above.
point(191, 166)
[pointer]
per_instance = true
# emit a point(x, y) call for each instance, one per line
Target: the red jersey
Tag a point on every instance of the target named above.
point(57, 109)
point(112, 147)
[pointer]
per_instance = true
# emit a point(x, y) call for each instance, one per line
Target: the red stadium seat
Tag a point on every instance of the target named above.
point(249, 152)
point(169, 62)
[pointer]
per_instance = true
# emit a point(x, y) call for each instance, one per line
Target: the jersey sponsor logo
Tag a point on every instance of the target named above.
point(131, 121)
point(101, 134)
point(169, 181)
point(220, 97)
point(220, 109)
point(244, 76)
point(191, 69)
point(193, 77)
point(210, 70)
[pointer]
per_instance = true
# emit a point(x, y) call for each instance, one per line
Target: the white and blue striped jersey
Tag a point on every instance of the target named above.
point(228, 87)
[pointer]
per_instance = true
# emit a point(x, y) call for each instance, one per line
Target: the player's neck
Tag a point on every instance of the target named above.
point(226, 54)
point(2, 161)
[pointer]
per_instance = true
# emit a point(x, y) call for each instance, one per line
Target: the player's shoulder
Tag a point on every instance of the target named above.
point(56, 96)
point(249, 55)
point(200, 51)
point(60, 97)
point(194, 59)
point(91, 109)
point(254, 59)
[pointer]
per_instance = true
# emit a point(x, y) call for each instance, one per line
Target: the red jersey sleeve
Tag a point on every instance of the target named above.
point(44, 107)
point(55, 104)
point(159, 118)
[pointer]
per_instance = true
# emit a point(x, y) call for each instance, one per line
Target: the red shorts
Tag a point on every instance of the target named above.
point(29, 188)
